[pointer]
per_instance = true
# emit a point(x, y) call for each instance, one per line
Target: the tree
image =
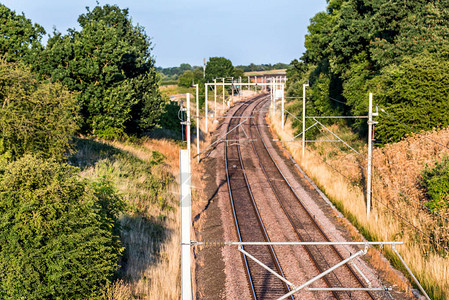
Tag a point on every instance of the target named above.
point(35, 117)
point(56, 232)
point(218, 67)
point(19, 38)
point(416, 93)
point(238, 73)
point(357, 46)
point(186, 79)
point(109, 63)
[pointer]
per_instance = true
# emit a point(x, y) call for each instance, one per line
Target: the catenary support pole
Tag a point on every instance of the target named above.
point(240, 87)
point(282, 108)
point(223, 105)
point(206, 108)
point(370, 155)
point(186, 279)
point(188, 137)
point(215, 98)
point(197, 123)
point(304, 119)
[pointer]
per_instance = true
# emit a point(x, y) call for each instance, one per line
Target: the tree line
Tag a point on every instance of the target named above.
point(59, 235)
point(174, 73)
point(397, 50)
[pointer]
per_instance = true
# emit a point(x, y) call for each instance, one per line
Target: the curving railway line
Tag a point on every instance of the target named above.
point(249, 136)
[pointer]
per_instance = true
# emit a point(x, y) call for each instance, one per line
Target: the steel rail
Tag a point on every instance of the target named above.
point(273, 255)
point(276, 194)
point(301, 203)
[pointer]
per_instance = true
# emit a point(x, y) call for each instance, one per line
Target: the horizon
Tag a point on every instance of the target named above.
point(259, 32)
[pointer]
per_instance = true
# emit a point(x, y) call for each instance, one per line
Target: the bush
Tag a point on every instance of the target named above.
point(56, 232)
point(436, 184)
point(416, 93)
point(35, 117)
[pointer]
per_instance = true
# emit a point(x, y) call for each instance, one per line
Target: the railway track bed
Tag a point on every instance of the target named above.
point(264, 206)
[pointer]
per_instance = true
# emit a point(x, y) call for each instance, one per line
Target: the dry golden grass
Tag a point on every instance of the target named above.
point(341, 174)
point(150, 225)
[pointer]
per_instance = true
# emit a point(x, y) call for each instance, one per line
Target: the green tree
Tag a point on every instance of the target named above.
point(198, 75)
point(20, 39)
point(357, 46)
point(35, 117)
point(109, 63)
point(218, 67)
point(238, 73)
point(56, 232)
point(416, 94)
point(186, 79)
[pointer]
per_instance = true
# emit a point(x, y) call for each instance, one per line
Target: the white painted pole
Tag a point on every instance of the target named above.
point(232, 92)
point(282, 109)
point(215, 98)
point(197, 124)
point(223, 107)
point(271, 98)
point(240, 87)
point(370, 155)
point(249, 81)
point(205, 109)
point(304, 119)
point(186, 279)
point(274, 96)
point(255, 81)
point(188, 123)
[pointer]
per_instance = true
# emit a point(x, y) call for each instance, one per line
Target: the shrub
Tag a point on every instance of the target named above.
point(436, 184)
point(56, 232)
point(35, 117)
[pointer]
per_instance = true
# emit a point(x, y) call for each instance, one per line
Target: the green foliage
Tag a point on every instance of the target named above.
point(35, 117)
point(239, 73)
point(362, 46)
point(416, 93)
point(219, 67)
point(191, 77)
point(56, 232)
point(436, 184)
point(172, 73)
point(263, 67)
point(109, 63)
point(186, 79)
point(19, 38)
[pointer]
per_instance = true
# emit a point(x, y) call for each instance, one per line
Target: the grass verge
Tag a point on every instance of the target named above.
point(398, 212)
point(142, 172)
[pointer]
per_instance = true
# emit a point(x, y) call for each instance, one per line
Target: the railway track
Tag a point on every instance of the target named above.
point(249, 223)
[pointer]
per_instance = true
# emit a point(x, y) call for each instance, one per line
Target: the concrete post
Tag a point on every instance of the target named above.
point(215, 98)
point(282, 108)
point(370, 156)
point(197, 124)
point(223, 96)
point(206, 108)
point(304, 119)
point(186, 277)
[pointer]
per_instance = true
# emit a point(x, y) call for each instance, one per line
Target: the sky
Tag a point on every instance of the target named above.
point(186, 31)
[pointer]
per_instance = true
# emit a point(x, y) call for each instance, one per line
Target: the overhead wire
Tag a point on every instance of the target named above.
point(400, 193)
point(404, 219)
